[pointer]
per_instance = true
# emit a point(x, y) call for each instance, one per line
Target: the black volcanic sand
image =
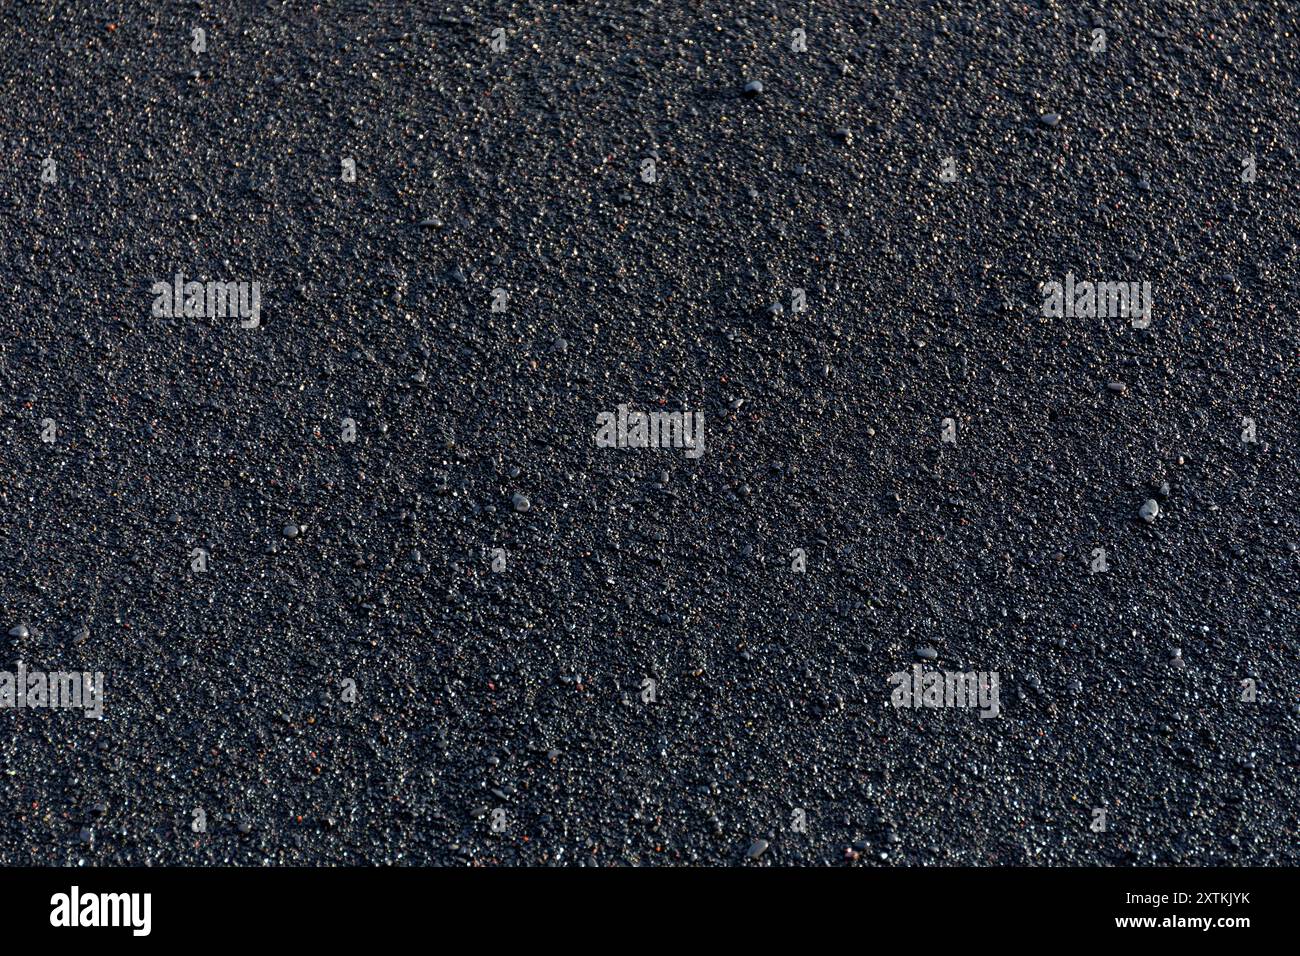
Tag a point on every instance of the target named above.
point(522, 690)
